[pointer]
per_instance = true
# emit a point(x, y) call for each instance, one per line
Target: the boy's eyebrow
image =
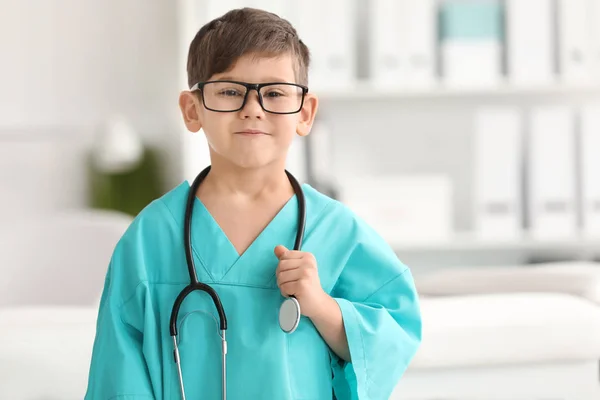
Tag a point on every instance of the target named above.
point(265, 80)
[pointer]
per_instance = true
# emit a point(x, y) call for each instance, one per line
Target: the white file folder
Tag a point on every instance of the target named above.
point(296, 160)
point(530, 42)
point(328, 29)
point(321, 157)
point(498, 173)
point(402, 40)
point(472, 36)
point(575, 27)
point(403, 209)
point(552, 173)
point(195, 154)
point(216, 8)
point(211, 9)
point(590, 169)
point(278, 7)
point(595, 39)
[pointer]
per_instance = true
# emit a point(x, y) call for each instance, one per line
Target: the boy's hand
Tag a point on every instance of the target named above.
point(297, 276)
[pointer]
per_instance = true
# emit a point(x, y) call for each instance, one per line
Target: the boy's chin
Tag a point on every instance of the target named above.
point(252, 163)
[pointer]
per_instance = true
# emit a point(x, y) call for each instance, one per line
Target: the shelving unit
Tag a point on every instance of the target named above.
point(467, 250)
point(470, 242)
point(397, 130)
point(429, 130)
point(365, 91)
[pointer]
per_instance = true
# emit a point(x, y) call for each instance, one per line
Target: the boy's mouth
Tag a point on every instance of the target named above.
point(251, 132)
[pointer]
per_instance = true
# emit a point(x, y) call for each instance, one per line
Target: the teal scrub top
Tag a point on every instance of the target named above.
point(133, 350)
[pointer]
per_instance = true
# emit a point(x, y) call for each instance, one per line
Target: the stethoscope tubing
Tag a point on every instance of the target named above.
point(195, 284)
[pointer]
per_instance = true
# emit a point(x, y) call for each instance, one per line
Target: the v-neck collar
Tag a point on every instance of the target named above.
point(257, 264)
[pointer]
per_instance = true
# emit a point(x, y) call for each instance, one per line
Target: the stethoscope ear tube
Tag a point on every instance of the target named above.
point(301, 211)
point(194, 283)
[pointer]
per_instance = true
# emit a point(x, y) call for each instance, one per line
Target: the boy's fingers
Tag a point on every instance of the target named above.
point(289, 276)
point(286, 265)
point(288, 289)
point(292, 255)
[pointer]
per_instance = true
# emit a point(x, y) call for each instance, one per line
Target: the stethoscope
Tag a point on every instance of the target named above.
point(289, 311)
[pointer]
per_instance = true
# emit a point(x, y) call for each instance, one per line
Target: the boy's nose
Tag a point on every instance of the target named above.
point(252, 108)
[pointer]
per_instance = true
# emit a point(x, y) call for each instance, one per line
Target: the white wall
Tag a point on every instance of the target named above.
point(67, 65)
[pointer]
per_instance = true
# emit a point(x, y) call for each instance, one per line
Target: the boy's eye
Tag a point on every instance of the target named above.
point(230, 92)
point(273, 94)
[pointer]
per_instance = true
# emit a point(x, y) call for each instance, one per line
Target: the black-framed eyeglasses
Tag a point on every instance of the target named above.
point(231, 96)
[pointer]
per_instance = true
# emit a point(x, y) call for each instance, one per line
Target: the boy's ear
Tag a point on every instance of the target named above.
point(307, 114)
point(189, 105)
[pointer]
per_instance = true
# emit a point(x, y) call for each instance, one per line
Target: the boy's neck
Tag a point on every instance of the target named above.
point(246, 183)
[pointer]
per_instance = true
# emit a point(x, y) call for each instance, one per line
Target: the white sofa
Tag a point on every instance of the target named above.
point(54, 265)
point(57, 258)
point(493, 334)
point(490, 347)
point(45, 352)
point(508, 333)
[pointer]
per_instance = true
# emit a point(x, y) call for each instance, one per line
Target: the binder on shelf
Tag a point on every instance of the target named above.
point(531, 42)
point(215, 8)
point(498, 200)
point(328, 29)
point(552, 173)
point(195, 154)
point(296, 160)
point(403, 208)
point(471, 34)
point(320, 158)
point(279, 7)
point(402, 43)
point(211, 9)
point(594, 7)
point(575, 38)
point(590, 169)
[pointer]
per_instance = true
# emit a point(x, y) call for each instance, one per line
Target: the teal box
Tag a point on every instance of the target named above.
point(471, 19)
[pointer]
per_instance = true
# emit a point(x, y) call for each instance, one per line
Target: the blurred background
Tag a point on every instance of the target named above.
point(467, 132)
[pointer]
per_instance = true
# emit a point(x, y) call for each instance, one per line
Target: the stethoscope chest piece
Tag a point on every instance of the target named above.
point(289, 315)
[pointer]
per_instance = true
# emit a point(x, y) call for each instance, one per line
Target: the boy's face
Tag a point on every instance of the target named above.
point(229, 133)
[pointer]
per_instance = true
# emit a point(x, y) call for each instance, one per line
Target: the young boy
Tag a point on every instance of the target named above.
point(360, 325)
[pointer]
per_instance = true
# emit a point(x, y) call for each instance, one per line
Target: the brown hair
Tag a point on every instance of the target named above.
point(222, 41)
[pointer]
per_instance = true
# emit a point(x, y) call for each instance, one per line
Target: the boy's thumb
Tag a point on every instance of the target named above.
point(280, 251)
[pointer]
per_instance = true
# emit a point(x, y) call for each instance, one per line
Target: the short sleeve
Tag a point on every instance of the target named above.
point(380, 308)
point(119, 368)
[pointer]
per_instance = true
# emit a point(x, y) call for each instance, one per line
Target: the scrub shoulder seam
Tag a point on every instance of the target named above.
point(400, 275)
